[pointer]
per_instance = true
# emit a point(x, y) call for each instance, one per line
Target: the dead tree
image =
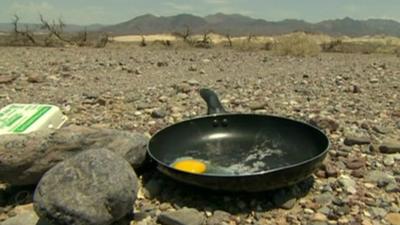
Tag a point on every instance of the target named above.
point(27, 33)
point(205, 42)
point(55, 29)
point(229, 38)
point(184, 35)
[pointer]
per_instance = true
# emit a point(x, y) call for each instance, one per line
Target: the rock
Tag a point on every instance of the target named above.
point(331, 170)
point(193, 82)
point(26, 218)
point(356, 140)
point(393, 218)
point(359, 173)
point(95, 187)
point(388, 160)
point(35, 78)
point(218, 218)
point(355, 163)
point(25, 158)
point(193, 68)
point(380, 129)
point(161, 64)
point(324, 199)
point(373, 80)
point(319, 217)
point(348, 184)
point(284, 200)
point(4, 79)
point(160, 113)
point(325, 123)
point(185, 216)
point(377, 212)
point(256, 105)
point(390, 147)
point(376, 177)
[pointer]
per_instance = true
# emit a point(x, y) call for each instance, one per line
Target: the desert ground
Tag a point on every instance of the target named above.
point(353, 97)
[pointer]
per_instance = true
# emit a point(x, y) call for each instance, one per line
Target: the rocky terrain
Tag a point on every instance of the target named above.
point(354, 98)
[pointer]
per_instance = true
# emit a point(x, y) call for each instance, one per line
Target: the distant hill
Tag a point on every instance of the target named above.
point(237, 25)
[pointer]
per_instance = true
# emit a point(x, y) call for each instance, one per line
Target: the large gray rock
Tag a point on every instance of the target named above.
point(25, 158)
point(95, 187)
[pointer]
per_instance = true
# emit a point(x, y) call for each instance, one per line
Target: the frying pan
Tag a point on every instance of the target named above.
point(251, 152)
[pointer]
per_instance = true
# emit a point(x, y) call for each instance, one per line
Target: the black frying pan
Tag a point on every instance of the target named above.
point(251, 152)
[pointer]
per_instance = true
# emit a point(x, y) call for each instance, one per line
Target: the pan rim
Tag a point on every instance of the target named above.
point(324, 152)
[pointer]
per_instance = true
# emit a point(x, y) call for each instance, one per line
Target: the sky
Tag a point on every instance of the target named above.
point(86, 12)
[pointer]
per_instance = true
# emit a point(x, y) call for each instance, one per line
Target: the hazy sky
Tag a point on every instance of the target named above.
point(115, 11)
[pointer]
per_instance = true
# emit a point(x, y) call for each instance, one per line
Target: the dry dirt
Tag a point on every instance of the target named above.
point(121, 87)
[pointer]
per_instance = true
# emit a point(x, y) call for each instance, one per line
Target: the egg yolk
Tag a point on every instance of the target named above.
point(191, 166)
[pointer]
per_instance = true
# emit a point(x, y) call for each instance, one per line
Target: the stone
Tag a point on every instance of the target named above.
point(324, 199)
point(184, 216)
point(284, 200)
point(25, 158)
point(355, 163)
point(377, 212)
point(388, 160)
point(256, 105)
point(35, 78)
point(160, 113)
point(95, 187)
point(356, 140)
point(26, 218)
point(193, 68)
point(4, 79)
point(348, 184)
point(161, 64)
point(218, 217)
point(390, 147)
point(376, 176)
point(393, 218)
point(193, 82)
point(331, 170)
point(319, 217)
point(325, 123)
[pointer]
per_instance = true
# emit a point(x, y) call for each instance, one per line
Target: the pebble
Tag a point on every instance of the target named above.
point(319, 217)
point(390, 147)
point(348, 184)
point(355, 163)
point(185, 216)
point(218, 217)
point(160, 113)
point(356, 140)
point(4, 79)
point(393, 218)
point(388, 160)
point(193, 68)
point(35, 78)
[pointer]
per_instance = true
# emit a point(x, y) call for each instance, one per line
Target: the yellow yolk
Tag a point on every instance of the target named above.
point(191, 166)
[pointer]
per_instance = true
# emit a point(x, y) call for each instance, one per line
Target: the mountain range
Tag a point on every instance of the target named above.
point(237, 25)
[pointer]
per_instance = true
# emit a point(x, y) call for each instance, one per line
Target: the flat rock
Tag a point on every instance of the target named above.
point(25, 158)
point(183, 216)
point(4, 79)
point(218, 217)
point(390, 147)
point(356, 140)
point(376, 176)
point(393, 218)
point(95, 187)
point(325, 123)
point(348, 184)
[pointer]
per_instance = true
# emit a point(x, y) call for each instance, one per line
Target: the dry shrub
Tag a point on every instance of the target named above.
point(297, 44)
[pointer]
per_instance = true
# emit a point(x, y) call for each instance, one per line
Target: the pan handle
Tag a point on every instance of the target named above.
point(214, 106)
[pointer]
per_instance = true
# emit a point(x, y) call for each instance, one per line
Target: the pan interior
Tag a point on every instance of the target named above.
point(248, 144)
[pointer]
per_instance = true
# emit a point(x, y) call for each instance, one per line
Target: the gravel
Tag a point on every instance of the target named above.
point(127, 85)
